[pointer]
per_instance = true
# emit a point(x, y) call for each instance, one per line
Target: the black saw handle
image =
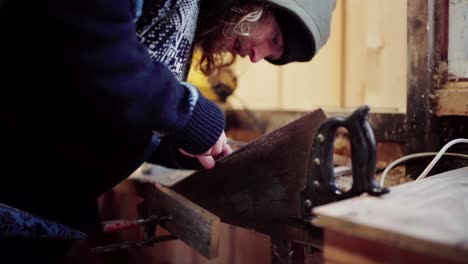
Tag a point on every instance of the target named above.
point(321, 187)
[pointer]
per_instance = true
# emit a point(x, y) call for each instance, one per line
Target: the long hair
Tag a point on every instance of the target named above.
point(237, 19)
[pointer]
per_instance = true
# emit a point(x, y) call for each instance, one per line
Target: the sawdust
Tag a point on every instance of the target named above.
point(386, 153)
point(344, 182)
point(395, 177)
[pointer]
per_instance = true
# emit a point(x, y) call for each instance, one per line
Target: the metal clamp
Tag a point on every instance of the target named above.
point(149, 239)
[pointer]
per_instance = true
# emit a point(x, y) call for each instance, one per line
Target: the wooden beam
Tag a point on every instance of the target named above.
point(189, 222)
point(425, 217)
point(452, 100)
point(456, 85)
point(388, 127)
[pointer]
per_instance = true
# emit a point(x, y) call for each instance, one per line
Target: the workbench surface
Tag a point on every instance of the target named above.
point(427, 217)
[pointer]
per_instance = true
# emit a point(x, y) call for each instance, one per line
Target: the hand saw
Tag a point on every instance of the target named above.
point(272, 184)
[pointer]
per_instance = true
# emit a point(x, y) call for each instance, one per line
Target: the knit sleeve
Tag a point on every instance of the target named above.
point(112, 69)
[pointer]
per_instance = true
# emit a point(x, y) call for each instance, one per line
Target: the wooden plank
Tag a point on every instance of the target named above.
point(387, 126)
point(148, 172)
point(452, 102)
point(429, 216)
point(342, 248)
point(190, 223)
point(456, 85)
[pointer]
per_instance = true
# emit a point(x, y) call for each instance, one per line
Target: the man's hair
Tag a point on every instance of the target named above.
point(238, 21)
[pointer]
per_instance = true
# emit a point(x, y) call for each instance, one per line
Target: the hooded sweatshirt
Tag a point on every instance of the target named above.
point(305, 25)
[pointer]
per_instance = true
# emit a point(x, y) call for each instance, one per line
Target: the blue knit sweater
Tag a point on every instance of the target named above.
point(82, 102)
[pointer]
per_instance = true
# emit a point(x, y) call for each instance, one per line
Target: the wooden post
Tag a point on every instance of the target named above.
point(426, 63)
point(427, 75)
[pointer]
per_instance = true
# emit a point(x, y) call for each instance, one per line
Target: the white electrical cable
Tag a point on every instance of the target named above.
point(413, 156)
point(425, 154)
point(439, 155)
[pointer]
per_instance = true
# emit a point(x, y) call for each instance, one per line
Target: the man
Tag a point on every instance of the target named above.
point(84, 102)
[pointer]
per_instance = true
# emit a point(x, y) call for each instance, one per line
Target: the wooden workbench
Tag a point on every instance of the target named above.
point(423, 221)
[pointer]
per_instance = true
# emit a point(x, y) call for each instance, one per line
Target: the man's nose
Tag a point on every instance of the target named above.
point(259, 52)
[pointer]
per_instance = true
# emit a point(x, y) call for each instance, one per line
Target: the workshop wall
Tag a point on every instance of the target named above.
point(364, 62)
point(458, 40)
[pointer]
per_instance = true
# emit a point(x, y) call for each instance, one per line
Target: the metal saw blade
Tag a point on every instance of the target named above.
point(259, 185)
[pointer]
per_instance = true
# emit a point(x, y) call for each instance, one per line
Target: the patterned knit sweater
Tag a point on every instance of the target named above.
point(167, 28)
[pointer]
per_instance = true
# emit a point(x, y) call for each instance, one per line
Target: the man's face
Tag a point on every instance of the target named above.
point(265, 41)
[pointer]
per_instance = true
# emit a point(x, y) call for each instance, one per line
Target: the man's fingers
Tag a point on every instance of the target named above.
point(216, 149)
point(227, 150)
point(208, 158)
point(219, 146)
point(208, 162)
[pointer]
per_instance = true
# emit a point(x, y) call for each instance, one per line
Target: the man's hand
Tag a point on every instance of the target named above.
point(218, 150)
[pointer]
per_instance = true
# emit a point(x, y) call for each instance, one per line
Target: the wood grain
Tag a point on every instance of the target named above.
point(429, 216)
point(190, 223)
point(452, 102)
point(426, 53)
point(341, 248)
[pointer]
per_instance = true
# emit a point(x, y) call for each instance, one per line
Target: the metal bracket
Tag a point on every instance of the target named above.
point(119, 225)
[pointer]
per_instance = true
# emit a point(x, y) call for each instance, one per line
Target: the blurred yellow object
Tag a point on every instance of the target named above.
point(216, 87)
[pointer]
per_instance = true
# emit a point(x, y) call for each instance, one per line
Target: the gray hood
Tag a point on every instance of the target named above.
point(305, 25)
